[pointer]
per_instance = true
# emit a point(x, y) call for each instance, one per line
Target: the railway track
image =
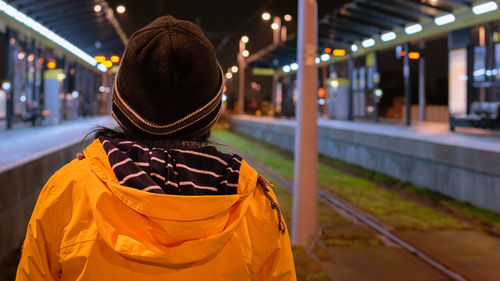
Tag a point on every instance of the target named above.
point(349, 211)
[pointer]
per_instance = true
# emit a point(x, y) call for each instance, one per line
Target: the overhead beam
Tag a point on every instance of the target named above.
point(346, 28)
point(355, 24)
point(461, 3)
point(340, 34)
point(364, 20)
point(377, 8)
point(418, 3)
point(21, 3)
point(404, 8)
point(44, 6)
point(62, 16)
point(376, 16)
point(58, 9)
point(82, 18)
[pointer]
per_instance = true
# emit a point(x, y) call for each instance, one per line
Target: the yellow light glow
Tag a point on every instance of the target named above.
point(229, 75)
point(245, 53)
point(97, 8)
point(99, 59)
point(414, 55)
point(107, 63)
point(275, 26)
point(244, 39)
point(287, 17)
point(266, 16)
point(61, 76)
point(339, 52)
point(51, 65)
point(115, 59)
point(234, 69)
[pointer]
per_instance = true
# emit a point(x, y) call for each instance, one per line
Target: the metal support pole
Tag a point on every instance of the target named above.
point(241, 82)
point(406, 75)
point(350, 101)
point(274, 93)
point(277, 31)
point(283, 33)
point(306, 132)
point(65, 89)
point(8, 77)
point(471, 91)
point(324, 77)
point(421, 83)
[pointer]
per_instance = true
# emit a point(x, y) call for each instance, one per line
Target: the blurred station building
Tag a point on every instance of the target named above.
point(395, 79)
point(450, 74)
point(45, 77)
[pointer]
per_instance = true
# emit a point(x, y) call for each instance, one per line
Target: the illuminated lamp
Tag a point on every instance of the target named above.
point(339, 52)
point(321, 93)
point(51, 65)
point(445, 19)
point(107, 63)
point(120, 9)
point(414, 28)
point(388, 36)
point(368, 43)
point(485, 7)
point(325, 57)
point(328, 50)
point(414, 55)
point(115, 59)
point(99, 59)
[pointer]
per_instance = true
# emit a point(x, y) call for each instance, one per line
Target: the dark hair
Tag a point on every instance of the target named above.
point(148, 140)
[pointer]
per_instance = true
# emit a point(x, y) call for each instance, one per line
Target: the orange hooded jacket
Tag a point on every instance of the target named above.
point(86, 226)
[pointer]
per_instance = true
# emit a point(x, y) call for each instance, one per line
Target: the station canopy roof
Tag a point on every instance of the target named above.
point(75, 21)
point(355, 21)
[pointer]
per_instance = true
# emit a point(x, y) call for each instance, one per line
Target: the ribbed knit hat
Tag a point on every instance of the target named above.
point(169, 84)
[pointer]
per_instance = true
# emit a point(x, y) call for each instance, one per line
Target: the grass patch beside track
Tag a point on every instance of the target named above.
point(388, 206)
point(487, 218)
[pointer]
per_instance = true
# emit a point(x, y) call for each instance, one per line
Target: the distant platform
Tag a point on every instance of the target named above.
point(425, 131)
point(464, 164)
point(23, 145)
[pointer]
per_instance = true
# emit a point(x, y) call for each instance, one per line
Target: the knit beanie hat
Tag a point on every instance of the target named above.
point(169, 84)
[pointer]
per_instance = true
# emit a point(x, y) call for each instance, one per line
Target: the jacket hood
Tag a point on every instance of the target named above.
point(168, 230)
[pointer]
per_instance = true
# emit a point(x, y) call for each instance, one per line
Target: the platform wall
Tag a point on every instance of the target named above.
point(465, 174)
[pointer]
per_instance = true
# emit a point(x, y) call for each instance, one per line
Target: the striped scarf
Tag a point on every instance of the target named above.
point(191, 170)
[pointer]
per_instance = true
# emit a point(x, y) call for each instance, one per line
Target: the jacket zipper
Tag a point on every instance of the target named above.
point(264, 184)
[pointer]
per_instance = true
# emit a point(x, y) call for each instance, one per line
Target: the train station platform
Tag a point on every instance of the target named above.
point(23, 145)
point(462, 164)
